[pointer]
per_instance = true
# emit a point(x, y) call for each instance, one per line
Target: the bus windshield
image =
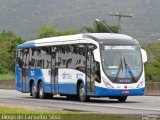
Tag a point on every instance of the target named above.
point(121, 62)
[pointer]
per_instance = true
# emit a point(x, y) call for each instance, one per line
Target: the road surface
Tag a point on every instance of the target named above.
point(133, 105)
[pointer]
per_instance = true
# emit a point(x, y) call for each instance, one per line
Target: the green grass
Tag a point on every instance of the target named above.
point(9, 76)
point(65, 115)
point(152, 72)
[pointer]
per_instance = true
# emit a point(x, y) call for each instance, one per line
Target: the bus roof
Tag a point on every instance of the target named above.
point(107, 38)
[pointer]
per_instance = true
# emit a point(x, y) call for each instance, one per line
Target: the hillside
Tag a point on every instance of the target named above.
point(24, 17)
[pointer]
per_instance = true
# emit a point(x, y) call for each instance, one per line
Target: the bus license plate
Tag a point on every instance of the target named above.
point(125, 91)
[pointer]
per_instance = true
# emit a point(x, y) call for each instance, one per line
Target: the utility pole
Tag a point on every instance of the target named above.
point(119, 15)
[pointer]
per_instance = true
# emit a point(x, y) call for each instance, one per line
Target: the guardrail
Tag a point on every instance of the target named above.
point(7, 84)
point(152, 88)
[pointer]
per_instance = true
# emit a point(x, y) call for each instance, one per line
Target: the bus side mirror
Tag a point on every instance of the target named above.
point(144, 55)
point(96, 55)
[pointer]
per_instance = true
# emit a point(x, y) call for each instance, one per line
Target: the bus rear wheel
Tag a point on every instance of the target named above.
point(82, 95)
point(43, 95)
point(122, 99)
point(34, 93)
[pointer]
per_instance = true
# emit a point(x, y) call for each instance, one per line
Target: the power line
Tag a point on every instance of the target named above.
point(119, 15)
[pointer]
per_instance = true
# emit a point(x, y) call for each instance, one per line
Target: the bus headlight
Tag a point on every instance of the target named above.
point(140, 84)
point(108, 85)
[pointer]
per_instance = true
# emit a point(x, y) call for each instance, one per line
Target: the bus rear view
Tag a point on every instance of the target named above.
point(83, 66)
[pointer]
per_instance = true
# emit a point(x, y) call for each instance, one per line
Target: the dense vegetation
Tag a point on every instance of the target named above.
point(101, 27)
point(152, 67)
point(25, 16)
point(51, 31)
point(9, 41)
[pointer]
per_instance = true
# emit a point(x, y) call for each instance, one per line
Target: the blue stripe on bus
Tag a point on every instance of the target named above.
point(68, 88)
point(28, 45)
point(102, 92)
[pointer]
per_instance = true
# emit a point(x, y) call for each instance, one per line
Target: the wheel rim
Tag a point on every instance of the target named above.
point(33, 89)
point(41, 90)
point(81, 92)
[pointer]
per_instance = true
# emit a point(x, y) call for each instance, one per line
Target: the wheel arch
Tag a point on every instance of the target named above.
point(30, 84)
point(79, 81)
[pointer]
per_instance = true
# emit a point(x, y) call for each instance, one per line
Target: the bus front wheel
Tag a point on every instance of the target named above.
point(82, 95)
point(122, 99)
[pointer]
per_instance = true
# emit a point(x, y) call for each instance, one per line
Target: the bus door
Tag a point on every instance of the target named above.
point(25, 59)
point(54, 70)
point(90, 73)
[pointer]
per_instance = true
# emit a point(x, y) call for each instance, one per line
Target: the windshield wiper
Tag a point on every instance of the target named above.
point(119, 68)
point(130, 71)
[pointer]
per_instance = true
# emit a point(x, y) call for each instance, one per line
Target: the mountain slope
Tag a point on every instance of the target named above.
point(24, 17)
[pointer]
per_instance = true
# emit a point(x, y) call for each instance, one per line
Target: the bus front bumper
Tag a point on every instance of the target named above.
point(105, 92)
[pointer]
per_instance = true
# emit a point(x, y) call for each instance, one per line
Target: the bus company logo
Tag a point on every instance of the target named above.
point(79, 75)
point(66, 76)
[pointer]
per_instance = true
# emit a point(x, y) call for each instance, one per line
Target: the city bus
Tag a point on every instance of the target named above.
point(81, 66)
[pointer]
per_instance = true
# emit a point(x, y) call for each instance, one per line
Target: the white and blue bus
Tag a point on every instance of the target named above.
point(81, 66)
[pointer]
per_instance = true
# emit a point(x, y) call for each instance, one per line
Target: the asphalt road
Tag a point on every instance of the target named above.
point(133, 105)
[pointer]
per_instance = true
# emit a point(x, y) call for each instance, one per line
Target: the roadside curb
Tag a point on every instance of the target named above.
point(152, 89)
point(7, 84)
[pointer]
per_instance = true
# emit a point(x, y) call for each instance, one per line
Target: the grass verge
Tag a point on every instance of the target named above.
point(60, 115)
point(9, 76)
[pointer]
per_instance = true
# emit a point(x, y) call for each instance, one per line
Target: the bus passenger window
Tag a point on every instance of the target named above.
point(97, 72)
point(19, 58)
point(46, 57)
point(32, 58)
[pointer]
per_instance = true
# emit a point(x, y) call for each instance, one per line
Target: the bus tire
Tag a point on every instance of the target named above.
point(43, 95)
point(81, 92)
point(122, 99)
point(34, 93)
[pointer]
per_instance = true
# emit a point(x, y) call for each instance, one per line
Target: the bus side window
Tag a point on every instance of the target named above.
point(57, 62)
point(46, 57)
point(38, 58)
point(69, 56)
point(32, 58)
point(95, 68)
point(19, 58)
point(97, 72)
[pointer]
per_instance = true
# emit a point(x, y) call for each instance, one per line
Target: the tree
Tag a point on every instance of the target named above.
point(8, 41)
point(101, 27)
point(152, 67)
point(51, 31)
